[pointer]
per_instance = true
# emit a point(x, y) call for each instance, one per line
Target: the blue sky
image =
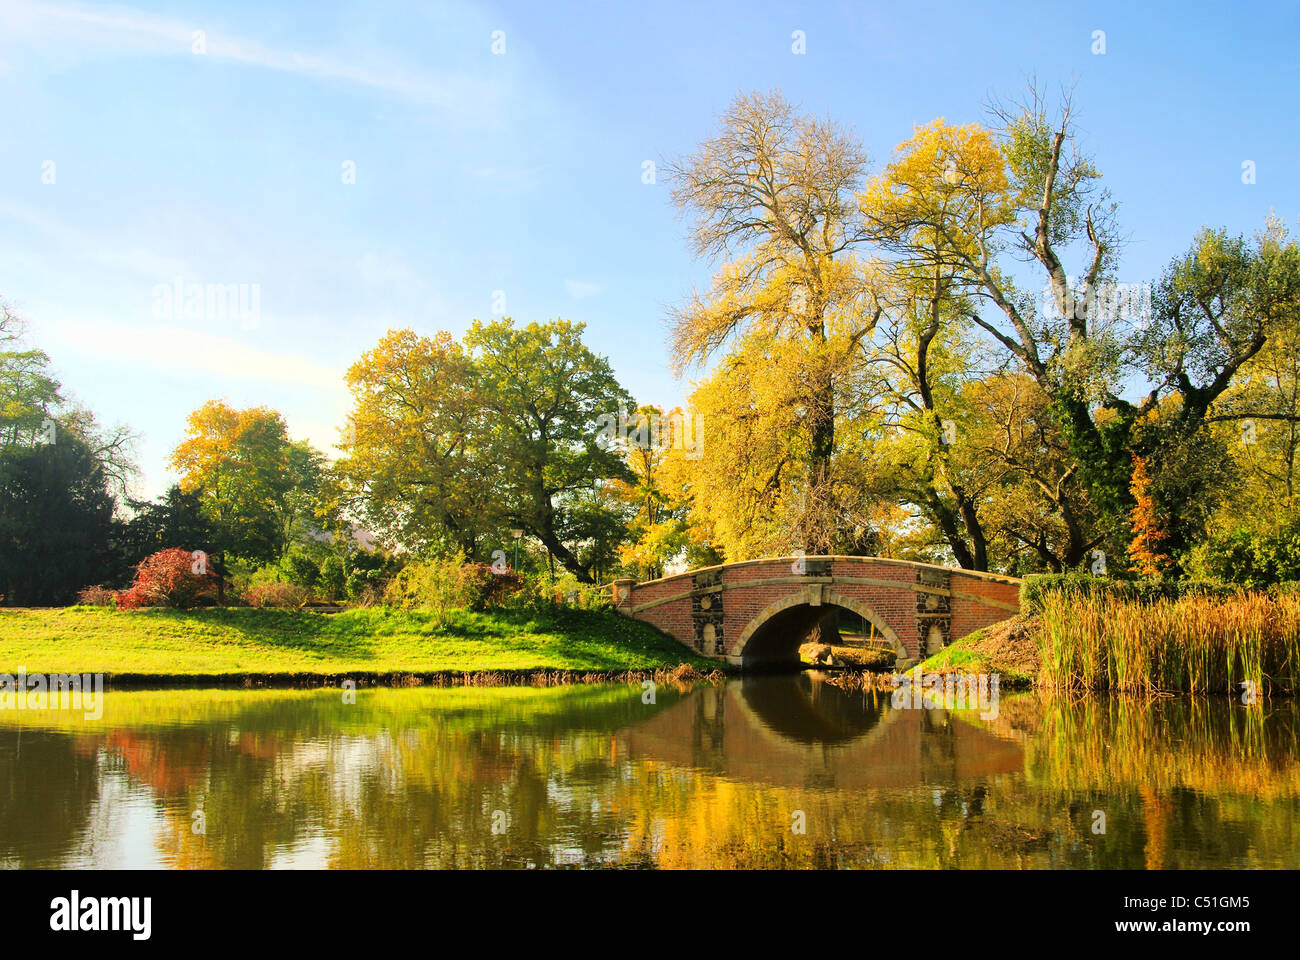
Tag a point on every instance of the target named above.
point(521, 172)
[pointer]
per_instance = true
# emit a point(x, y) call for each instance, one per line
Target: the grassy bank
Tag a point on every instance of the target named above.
point(285, 643)
point(1009, 648)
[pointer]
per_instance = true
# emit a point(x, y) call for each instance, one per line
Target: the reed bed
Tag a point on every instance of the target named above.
point(1187, 645)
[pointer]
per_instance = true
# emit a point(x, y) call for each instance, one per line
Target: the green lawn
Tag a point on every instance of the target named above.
point(216, 642)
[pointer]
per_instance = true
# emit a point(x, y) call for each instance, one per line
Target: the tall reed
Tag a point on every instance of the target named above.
point(1192, 644)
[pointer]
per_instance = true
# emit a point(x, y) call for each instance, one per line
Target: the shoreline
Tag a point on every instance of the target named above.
point(399, 679)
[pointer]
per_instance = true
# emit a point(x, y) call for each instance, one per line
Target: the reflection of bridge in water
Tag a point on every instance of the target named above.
point(800, 731)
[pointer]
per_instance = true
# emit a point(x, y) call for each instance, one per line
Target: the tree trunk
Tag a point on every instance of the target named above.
point(823, 430)
point(220, 568)
point(826, 630)
point(951, 529)
point(970, 519)
point(558, 551)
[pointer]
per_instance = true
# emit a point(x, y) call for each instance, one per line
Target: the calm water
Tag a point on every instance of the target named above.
point(710, 776)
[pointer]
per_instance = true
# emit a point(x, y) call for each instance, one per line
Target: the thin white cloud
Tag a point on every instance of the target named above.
point(74, 242)
point(172, 351)
point(126, 30)
point(320, 397)
point(581, 289)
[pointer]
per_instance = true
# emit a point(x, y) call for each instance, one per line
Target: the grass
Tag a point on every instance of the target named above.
point(957, 656)
point(235, 641)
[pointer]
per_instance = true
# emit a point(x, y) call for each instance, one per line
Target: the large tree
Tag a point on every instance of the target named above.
point(415, 446)
point(972, 206)
point(176, 519)
point(247, 474)
point(60, 476)
point(545, 391)
point(56, 517)
point(451, 445)
point(771, 196)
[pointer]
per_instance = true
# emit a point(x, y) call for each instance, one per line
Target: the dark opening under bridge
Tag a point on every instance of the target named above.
point(756, 613)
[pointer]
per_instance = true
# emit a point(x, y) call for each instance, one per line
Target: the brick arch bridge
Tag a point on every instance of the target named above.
point(757, 612)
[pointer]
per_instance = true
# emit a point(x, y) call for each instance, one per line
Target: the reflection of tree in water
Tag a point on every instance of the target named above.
point(708, 779)
point(47, 789)
point(395, 787)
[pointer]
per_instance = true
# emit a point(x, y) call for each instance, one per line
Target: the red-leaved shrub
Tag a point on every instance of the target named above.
point(166, 579)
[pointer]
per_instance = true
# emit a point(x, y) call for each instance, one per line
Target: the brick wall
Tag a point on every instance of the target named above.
point(709, 610)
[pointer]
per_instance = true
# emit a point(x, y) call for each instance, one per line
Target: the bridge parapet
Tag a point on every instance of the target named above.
point(757, 611)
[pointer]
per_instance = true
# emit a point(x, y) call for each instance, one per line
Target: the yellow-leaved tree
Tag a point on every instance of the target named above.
point(250, 478)
point(771, 197)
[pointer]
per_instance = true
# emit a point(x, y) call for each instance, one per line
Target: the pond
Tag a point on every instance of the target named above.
point(759, 771)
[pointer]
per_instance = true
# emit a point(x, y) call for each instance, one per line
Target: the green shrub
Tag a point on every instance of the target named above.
point(1255, 558)
point(450, 583)
point(428, 584)
point(1037, 587)
point(300, 569)
point(485, 587)
point(270, 585)
point(368, 574)
point(333, 578)
point(595, 598)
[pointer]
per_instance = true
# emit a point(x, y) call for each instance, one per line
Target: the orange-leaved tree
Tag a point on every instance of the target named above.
point(1149, 533)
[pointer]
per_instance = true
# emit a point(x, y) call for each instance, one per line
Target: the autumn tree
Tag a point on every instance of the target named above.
point(654, 447)
point(1149, 536)
point(415, 445)
point(450, 445)
point(246, 473)
point(771, 195)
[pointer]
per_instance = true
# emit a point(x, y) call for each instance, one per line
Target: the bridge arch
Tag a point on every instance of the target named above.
point(807, 611)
